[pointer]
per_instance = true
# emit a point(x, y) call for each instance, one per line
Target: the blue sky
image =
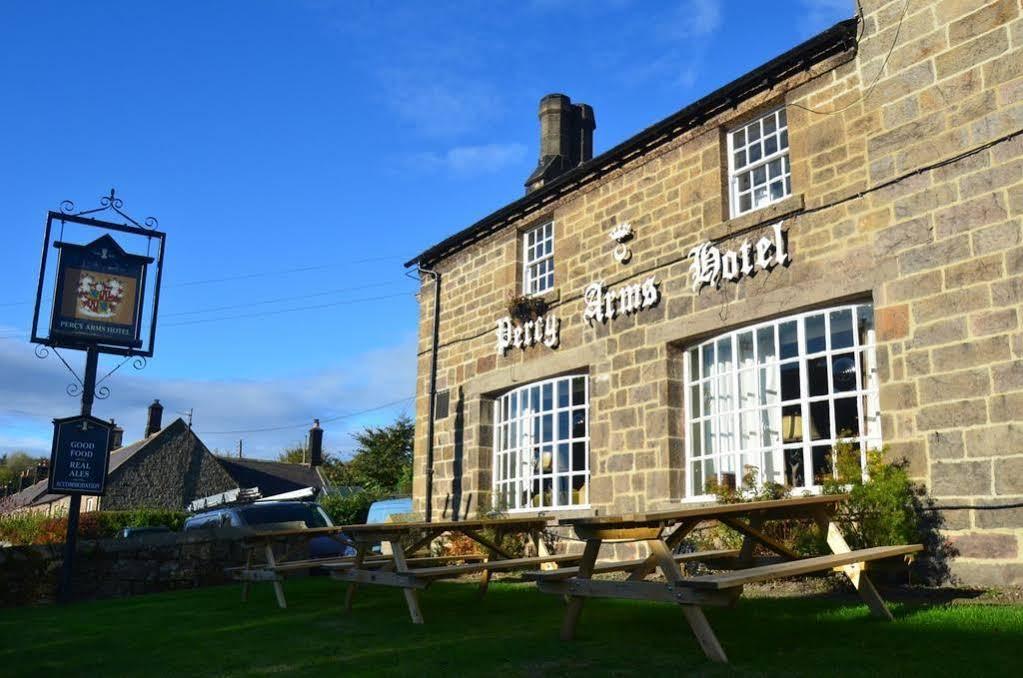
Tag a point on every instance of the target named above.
point(341, 138)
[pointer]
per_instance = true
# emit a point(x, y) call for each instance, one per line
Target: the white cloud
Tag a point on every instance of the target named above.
point(439, 103)
point(469, 160)
point(32, 392)
point(818, 15)
point(692, 19)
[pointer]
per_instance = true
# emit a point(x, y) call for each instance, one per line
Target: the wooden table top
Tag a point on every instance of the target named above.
point(296, 532)
point(772, 509)
point(524, 523)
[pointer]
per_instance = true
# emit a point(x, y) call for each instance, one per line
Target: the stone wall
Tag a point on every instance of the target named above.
point(907, 175)
point(110, 568)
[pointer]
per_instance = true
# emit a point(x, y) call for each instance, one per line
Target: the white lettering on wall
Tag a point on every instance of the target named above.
point(603, 305)
point(710, 266)
point(543, 330)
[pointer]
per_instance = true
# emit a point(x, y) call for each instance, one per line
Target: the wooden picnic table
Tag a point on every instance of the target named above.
point(397, 570)
point(273, 567)
point(693, 593)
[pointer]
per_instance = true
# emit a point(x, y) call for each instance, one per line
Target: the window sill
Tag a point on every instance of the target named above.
point(790, 205)
point(550, 297)
point(563, 512)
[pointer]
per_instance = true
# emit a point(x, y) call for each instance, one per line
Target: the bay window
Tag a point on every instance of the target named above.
point(768, 402)
point(541, 445)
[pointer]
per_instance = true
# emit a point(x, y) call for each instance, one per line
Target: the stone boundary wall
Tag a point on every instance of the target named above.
point(112, 568)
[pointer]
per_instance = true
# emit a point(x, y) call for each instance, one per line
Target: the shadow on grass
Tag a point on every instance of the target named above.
point(513, 631)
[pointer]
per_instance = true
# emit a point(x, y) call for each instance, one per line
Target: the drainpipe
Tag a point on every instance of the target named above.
point(433, 388)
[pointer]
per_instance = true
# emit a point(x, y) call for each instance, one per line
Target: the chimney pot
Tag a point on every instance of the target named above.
point(566, 138)
point(316, 444)
point(116, 436)
point(153, 424)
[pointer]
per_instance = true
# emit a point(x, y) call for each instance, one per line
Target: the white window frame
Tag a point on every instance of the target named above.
point(517, 420)
point(731, 456)
point(781, 153)
point(532, 282)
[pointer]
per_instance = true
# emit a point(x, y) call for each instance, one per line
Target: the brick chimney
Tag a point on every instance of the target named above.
point(316, 444)
point(116, 436)
point(566, 138)
point(155, 416)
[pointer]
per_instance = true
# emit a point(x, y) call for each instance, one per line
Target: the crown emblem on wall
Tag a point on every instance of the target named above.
point(99, 298)
point(620, 234)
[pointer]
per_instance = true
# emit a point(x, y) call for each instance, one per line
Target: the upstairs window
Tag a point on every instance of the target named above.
point(758, 163)
point(538, 259)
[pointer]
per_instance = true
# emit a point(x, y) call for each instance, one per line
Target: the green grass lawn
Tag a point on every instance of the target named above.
point(513, 631)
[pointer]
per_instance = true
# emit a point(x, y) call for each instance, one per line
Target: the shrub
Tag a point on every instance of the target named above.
point(887, 508)
point(348, 509)
point(39, 528)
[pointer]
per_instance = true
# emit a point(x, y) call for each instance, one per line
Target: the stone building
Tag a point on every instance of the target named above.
point(167, 469)
point(827, 248)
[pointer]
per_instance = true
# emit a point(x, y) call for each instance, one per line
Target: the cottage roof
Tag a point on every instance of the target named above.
point(272, 477)
point(836, 40)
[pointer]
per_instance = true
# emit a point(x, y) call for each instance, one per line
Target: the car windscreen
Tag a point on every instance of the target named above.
point(262, 514)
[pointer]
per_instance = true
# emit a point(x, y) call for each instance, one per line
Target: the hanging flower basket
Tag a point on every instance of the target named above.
point(526, 307)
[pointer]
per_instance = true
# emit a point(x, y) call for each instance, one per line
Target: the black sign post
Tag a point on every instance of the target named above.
point(98, 297)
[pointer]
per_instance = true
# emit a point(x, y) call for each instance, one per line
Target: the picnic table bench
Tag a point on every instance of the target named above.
point(723, 589)
point(273, 569)
point(402, 572)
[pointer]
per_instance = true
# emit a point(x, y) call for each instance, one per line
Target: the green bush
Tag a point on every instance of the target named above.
point(888, 508)
point(39, 528)
point(348, 509)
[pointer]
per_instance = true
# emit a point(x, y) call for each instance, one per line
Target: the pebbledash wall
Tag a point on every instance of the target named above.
point(902, 291)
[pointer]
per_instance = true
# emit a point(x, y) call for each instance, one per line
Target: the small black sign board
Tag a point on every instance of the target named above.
point(80, 456)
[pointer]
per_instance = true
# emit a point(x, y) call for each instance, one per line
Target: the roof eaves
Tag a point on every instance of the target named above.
point(837, 39)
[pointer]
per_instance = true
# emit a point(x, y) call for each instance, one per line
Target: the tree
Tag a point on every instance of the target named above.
point(295, 454)
point(11, 465)
point(383, 459)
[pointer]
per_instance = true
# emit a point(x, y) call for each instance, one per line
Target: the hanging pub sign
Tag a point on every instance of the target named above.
point(80, 456)
point(102, 298)
point(99, 293)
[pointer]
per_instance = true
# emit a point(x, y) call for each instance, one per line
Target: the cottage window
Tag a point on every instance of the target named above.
point(538, 259)
point(768, 402)
point(758, 163)
point(541, 446)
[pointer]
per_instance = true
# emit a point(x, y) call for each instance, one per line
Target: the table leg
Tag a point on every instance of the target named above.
point(278, 587)
point(360, 555)
point(693, 613)
point(575, 603)
point(855, 572)
point(748, 542)
point(674, 539)
point(411, 595)
point(248, 566)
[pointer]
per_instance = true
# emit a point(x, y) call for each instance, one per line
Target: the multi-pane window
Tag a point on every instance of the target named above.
point(758, 163)
point(770, 401)
point(541, 446)
point(538, 259)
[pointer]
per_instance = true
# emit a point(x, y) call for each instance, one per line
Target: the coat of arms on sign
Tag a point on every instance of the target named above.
point(99, 298)
point(621, 234)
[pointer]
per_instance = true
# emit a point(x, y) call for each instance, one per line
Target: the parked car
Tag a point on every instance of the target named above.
point(381, 511)
point(275, 515)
